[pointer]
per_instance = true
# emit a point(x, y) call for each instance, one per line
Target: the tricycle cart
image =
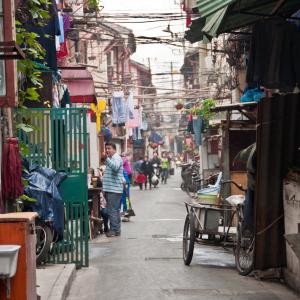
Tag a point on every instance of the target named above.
point(212, 221)
point(206, 222)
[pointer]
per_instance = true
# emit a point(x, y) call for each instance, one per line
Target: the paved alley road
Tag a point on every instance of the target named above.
point(146, 263)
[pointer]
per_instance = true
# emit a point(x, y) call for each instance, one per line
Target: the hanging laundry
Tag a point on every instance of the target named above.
point(130, 106)
point(55, 99)
point(47, 35)
point(11, 173)
point(61, 28)
point(118, 109)
point(66, 98)
point(190, 128)
point(137, 134)
point(63, 51)
point(155, 138)
point(98, 109)
point(135, 122)
point(197, 125)
point(105, 131)
point(67, 22)
point(189, 142)
point(274, 60)
point(144, 125)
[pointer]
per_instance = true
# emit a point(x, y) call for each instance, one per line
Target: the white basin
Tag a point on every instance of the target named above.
point(8, 260)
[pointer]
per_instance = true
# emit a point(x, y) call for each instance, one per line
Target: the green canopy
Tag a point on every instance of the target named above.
point(224, 16)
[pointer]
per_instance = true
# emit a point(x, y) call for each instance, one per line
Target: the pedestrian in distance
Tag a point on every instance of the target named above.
point(147, 170)
point(164, 168)
point(126, 165)
point(155, 159)
point(113, 185)
point(140, 180)
point(104, 212)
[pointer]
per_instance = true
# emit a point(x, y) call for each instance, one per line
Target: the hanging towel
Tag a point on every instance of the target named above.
point(12, 186)
point(197, 125)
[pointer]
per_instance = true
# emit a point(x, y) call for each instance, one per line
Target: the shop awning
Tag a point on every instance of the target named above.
point(80, 84)
point(225, 16)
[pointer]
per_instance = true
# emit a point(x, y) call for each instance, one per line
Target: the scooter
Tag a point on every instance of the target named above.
point(156, 175)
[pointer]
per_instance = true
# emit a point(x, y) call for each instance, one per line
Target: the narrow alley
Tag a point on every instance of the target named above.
point(146, 261)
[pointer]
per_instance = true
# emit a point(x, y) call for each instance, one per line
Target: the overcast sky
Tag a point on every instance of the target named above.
point(160, 55)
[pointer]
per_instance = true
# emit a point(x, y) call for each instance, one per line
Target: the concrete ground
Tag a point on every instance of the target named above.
point(53, 281)
point(146, 263)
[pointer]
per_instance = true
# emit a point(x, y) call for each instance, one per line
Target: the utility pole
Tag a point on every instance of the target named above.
point(172, 77)
point(149, 65)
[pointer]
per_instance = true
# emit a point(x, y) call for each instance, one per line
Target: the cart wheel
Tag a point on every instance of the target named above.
point(244, 252)
point(188, 238)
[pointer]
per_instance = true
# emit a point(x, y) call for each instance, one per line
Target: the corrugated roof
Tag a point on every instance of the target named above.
point(224, 16)
point(209, 7)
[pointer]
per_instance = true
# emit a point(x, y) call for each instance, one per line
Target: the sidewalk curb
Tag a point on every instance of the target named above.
point(63, 283)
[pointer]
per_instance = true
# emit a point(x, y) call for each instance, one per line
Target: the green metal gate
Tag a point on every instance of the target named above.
point(60, 142)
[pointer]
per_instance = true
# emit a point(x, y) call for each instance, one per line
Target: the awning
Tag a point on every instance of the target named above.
point(80, 84)
point(209, 7)
point(224, 16)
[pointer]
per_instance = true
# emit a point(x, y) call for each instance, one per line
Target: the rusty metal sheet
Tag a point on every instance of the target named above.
point(278, 134)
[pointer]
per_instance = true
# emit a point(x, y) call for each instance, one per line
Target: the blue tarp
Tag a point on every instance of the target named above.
point(44, 187)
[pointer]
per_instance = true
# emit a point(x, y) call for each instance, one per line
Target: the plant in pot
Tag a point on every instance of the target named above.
point(204, 110)
point(179, 105)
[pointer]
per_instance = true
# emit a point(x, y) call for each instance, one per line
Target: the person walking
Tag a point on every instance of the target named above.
point(113, 184)
point(140, 179)
point(155, 159)
point(164, 168)
point(147, 170)
point(126, 165)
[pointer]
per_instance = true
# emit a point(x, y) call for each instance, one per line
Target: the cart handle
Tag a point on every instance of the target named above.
point(238, 185)
point(203, 204)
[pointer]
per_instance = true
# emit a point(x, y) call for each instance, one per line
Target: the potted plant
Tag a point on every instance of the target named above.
point(204, 110)
point(179, 105)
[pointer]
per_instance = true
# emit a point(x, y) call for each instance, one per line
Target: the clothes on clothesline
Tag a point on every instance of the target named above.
point(64, 22)
point(136, 134)
point(274, 60)
point(197, 125)
point(190, 128)
point(144, 125)
point(118, 109)
point(47, 35)
point(155, 138)
point(105, 131)
point(130, 106)
point(135, 121)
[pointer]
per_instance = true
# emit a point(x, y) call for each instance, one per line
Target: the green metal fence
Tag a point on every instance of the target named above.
point(60, 142)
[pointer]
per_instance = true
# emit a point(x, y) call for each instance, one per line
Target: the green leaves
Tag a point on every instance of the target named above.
point(204, 108)
point(24, 149)
point(25, 127)
point(32, 94)
point(26, 198)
